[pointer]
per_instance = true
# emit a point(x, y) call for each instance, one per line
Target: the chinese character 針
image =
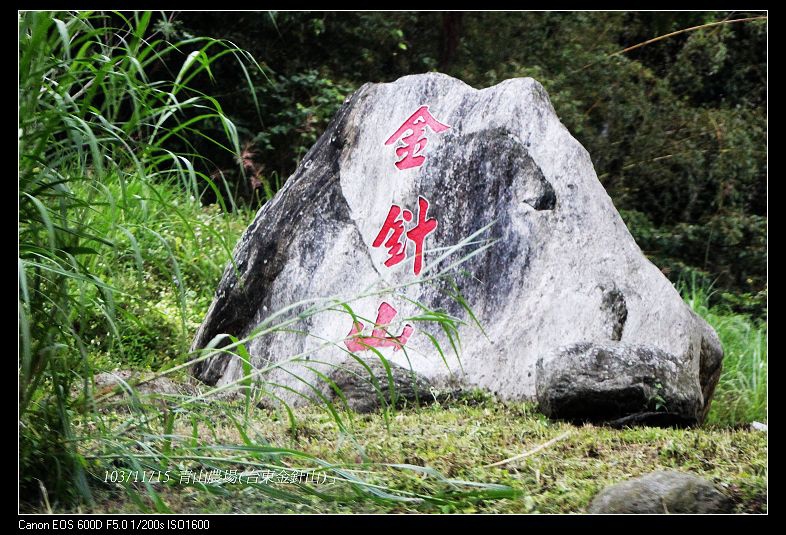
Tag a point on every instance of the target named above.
point(378, 338)
point(413, 134)
point(393, 229)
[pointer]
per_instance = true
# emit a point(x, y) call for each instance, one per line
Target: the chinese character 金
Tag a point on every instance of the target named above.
point(413, 134)
point(393, 228)
point(287, 476)
point(378, 338)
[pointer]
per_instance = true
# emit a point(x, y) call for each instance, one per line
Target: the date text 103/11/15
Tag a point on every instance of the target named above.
point(137, 476)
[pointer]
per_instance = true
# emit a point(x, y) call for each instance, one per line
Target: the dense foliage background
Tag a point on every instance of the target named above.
point(148, 140)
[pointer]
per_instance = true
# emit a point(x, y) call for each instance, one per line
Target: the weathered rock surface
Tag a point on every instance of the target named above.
point(146, 387)
point(563, 270)
point(143, 383)
point(603, 381)
point(662, 492)
point(365, 392)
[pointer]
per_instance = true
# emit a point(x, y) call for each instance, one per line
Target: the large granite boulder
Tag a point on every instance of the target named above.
point(425, 178)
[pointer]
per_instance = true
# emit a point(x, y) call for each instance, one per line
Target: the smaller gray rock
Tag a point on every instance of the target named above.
point(618, 384)
point(662, 492)
point(758, 426)
point(143, 383)
point(364, 394)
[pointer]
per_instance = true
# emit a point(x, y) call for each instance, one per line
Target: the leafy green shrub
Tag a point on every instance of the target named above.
point(297, 109)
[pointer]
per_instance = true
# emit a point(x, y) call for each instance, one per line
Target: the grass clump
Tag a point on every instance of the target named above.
point(106, 119)
point(741, 394)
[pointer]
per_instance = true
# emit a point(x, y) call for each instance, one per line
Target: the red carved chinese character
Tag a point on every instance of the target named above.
point(396, 249)
point(415, 141)
point(420, 231)
point(394, 227)
point(378, 338)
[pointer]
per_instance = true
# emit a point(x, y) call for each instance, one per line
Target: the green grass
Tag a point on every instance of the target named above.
point(741, 394)
point(168, 254)
point(458, 440)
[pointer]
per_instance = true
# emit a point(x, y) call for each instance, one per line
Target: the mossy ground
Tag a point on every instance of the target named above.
point(459, 440)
